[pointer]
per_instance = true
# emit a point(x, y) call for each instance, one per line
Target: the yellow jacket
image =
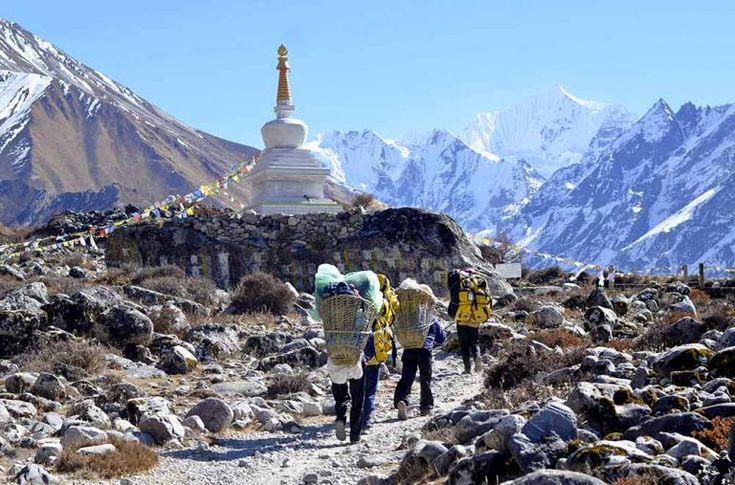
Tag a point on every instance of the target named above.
point(382, 333)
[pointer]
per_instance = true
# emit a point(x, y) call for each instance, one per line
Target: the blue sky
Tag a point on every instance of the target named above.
point(393, 66)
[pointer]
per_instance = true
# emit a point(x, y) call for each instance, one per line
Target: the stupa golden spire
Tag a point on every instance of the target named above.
point(283, 95)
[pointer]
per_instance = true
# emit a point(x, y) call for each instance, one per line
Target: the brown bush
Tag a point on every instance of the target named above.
point(558, 337)
point(63, 284)
point(545, 276)
point(717, 437)
point(8, 283)
point(699, 297)
point(149, 272)
point(14, 234)
point(525, 391)
point(719, 316)
point(621, 344)
point(519, 361)
point(363, 199)
point(653, 338)
point(129, 458)
point(525, 305)
point(262, 292)
point(289, 384)
point(168, 285)
point(201, 290)
point(64, 356)
point(443, 435)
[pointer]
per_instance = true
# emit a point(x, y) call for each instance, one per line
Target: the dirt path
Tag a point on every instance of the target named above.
point(271, 458)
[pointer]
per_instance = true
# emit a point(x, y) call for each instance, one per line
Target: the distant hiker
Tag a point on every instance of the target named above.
point(611, 278)
point(601, 278)
point(379, 345)
point(470, 305)
point(421, 360)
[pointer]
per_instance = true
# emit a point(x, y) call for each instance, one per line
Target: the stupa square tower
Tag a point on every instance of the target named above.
point(288, 178)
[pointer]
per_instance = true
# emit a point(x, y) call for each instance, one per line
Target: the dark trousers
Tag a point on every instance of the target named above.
point(372, 373)
point(413, 360)
point(350, 395)
point(468, 343)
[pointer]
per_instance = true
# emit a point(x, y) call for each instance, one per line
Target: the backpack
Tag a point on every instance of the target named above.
point(470, 303)
point(382, 334)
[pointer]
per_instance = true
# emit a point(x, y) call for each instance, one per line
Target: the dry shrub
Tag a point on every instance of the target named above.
point(719, 316)
point(519, 362)
point(201, 290)
point(63, 284)
point(443, 435)
point(673, 317)
point(526, 391)
point(621, 344)
point(717, 437)
point(168, 285)
point(558, 337)
point(699, 297)
point(61, 356)
point(545, 276)
point(283, 384)
point(9, 283)
point(363, 199)
point(129, 458)
point(14, 234)
point(262, 292)
point(643, 479)
point(149, 272)
point(119, 276)
point(525, 305)
point(653, 338)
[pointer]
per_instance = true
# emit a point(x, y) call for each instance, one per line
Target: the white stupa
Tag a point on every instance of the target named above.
point(288, 178)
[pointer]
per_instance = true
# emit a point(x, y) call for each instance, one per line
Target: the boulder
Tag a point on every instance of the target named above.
point(97, 450)
point(123, 325)
point(684, 306)
point(682, 423)
point(19, 382)
point(214, 412)
point(19, 320)
point(678, 287)
point(178, 360)
point(265, 344)
point(162, 428)
point(605, 452)
point(47, 452)
point(89, 412)
point(49, 386)
point(212, 341)
point(682, 357)
point(684, 331)
point(723, 363)
point(498, 438)
point(443, 462)
point(487, 467)
point(621, 305)
point(150, 297)
point(18, 409)
point(547, 317)
point(555, 477)
point(33, 474)
point(662, 475)
point(79, 436)
point(305, 357)
point(598, 298)
point(554, 418)
point(168, 318)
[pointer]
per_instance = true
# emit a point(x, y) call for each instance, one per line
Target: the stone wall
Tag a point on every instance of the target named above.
point(401, 243)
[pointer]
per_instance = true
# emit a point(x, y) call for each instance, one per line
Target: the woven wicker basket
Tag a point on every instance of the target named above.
point(413, 318)
point(344, 348)
point(347, 320)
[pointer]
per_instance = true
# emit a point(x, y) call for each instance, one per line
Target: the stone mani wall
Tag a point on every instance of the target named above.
point(401, 243)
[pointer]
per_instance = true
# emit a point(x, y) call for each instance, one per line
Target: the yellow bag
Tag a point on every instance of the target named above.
point(470, 304)
point(382, 334)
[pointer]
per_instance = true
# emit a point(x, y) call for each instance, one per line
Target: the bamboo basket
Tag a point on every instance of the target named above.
point(344, 348)
point(347, 320)
point(413, 318)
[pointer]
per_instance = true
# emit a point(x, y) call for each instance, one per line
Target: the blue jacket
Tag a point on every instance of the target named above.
point(436, 335)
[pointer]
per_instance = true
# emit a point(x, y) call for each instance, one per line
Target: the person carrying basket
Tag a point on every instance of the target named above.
point(418, 330)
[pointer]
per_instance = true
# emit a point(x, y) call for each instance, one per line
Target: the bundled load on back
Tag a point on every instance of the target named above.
point(470, 303)
point(414, 315)
point(347, 305)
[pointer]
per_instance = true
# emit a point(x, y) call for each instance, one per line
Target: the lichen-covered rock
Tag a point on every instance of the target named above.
point(682, 423)
point(168, 318)
point(122, 325)
point(683, 357)
point(49, 386)
point(556, 477)
point(598, 298)
point(723, 363)
point(547, 317)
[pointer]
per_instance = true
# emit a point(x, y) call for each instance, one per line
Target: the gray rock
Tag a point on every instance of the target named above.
point(123, 325)
point(32, 474)
point(162, 428)
point(498, 438)
point(554, 418)
point(18, 409)
point(89, 412)
point(79, 436)
point(663, 474)
point(47, 452)
point(684, 331)
point(98, 450)
point(547, 317)
point(215, 414)
point(177, 360)
point(682, 357)
point(555, 477)
point(598, 298)
point(683, 423)
point(195, 424)
point(443, 462)
point(428, 451)
point(482, 468)
point(19, 382)
point(49, 386)
point(248, 388)
point(168, 318)
point(684, 306)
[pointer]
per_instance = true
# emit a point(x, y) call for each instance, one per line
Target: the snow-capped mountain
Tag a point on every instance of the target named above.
point(440, 172)
point(661, 195)
point(549, 130)
point(71, 137)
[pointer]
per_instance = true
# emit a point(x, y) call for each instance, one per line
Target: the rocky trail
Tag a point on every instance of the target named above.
point(315, 455)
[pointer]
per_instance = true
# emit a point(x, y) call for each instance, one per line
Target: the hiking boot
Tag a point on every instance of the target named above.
point(478, 364)
point(426, 412)
point(354, 440)
point(467, 370)
point(402, 411)
point(339, 429)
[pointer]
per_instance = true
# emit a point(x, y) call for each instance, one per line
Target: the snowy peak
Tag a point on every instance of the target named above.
point(549, 130)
